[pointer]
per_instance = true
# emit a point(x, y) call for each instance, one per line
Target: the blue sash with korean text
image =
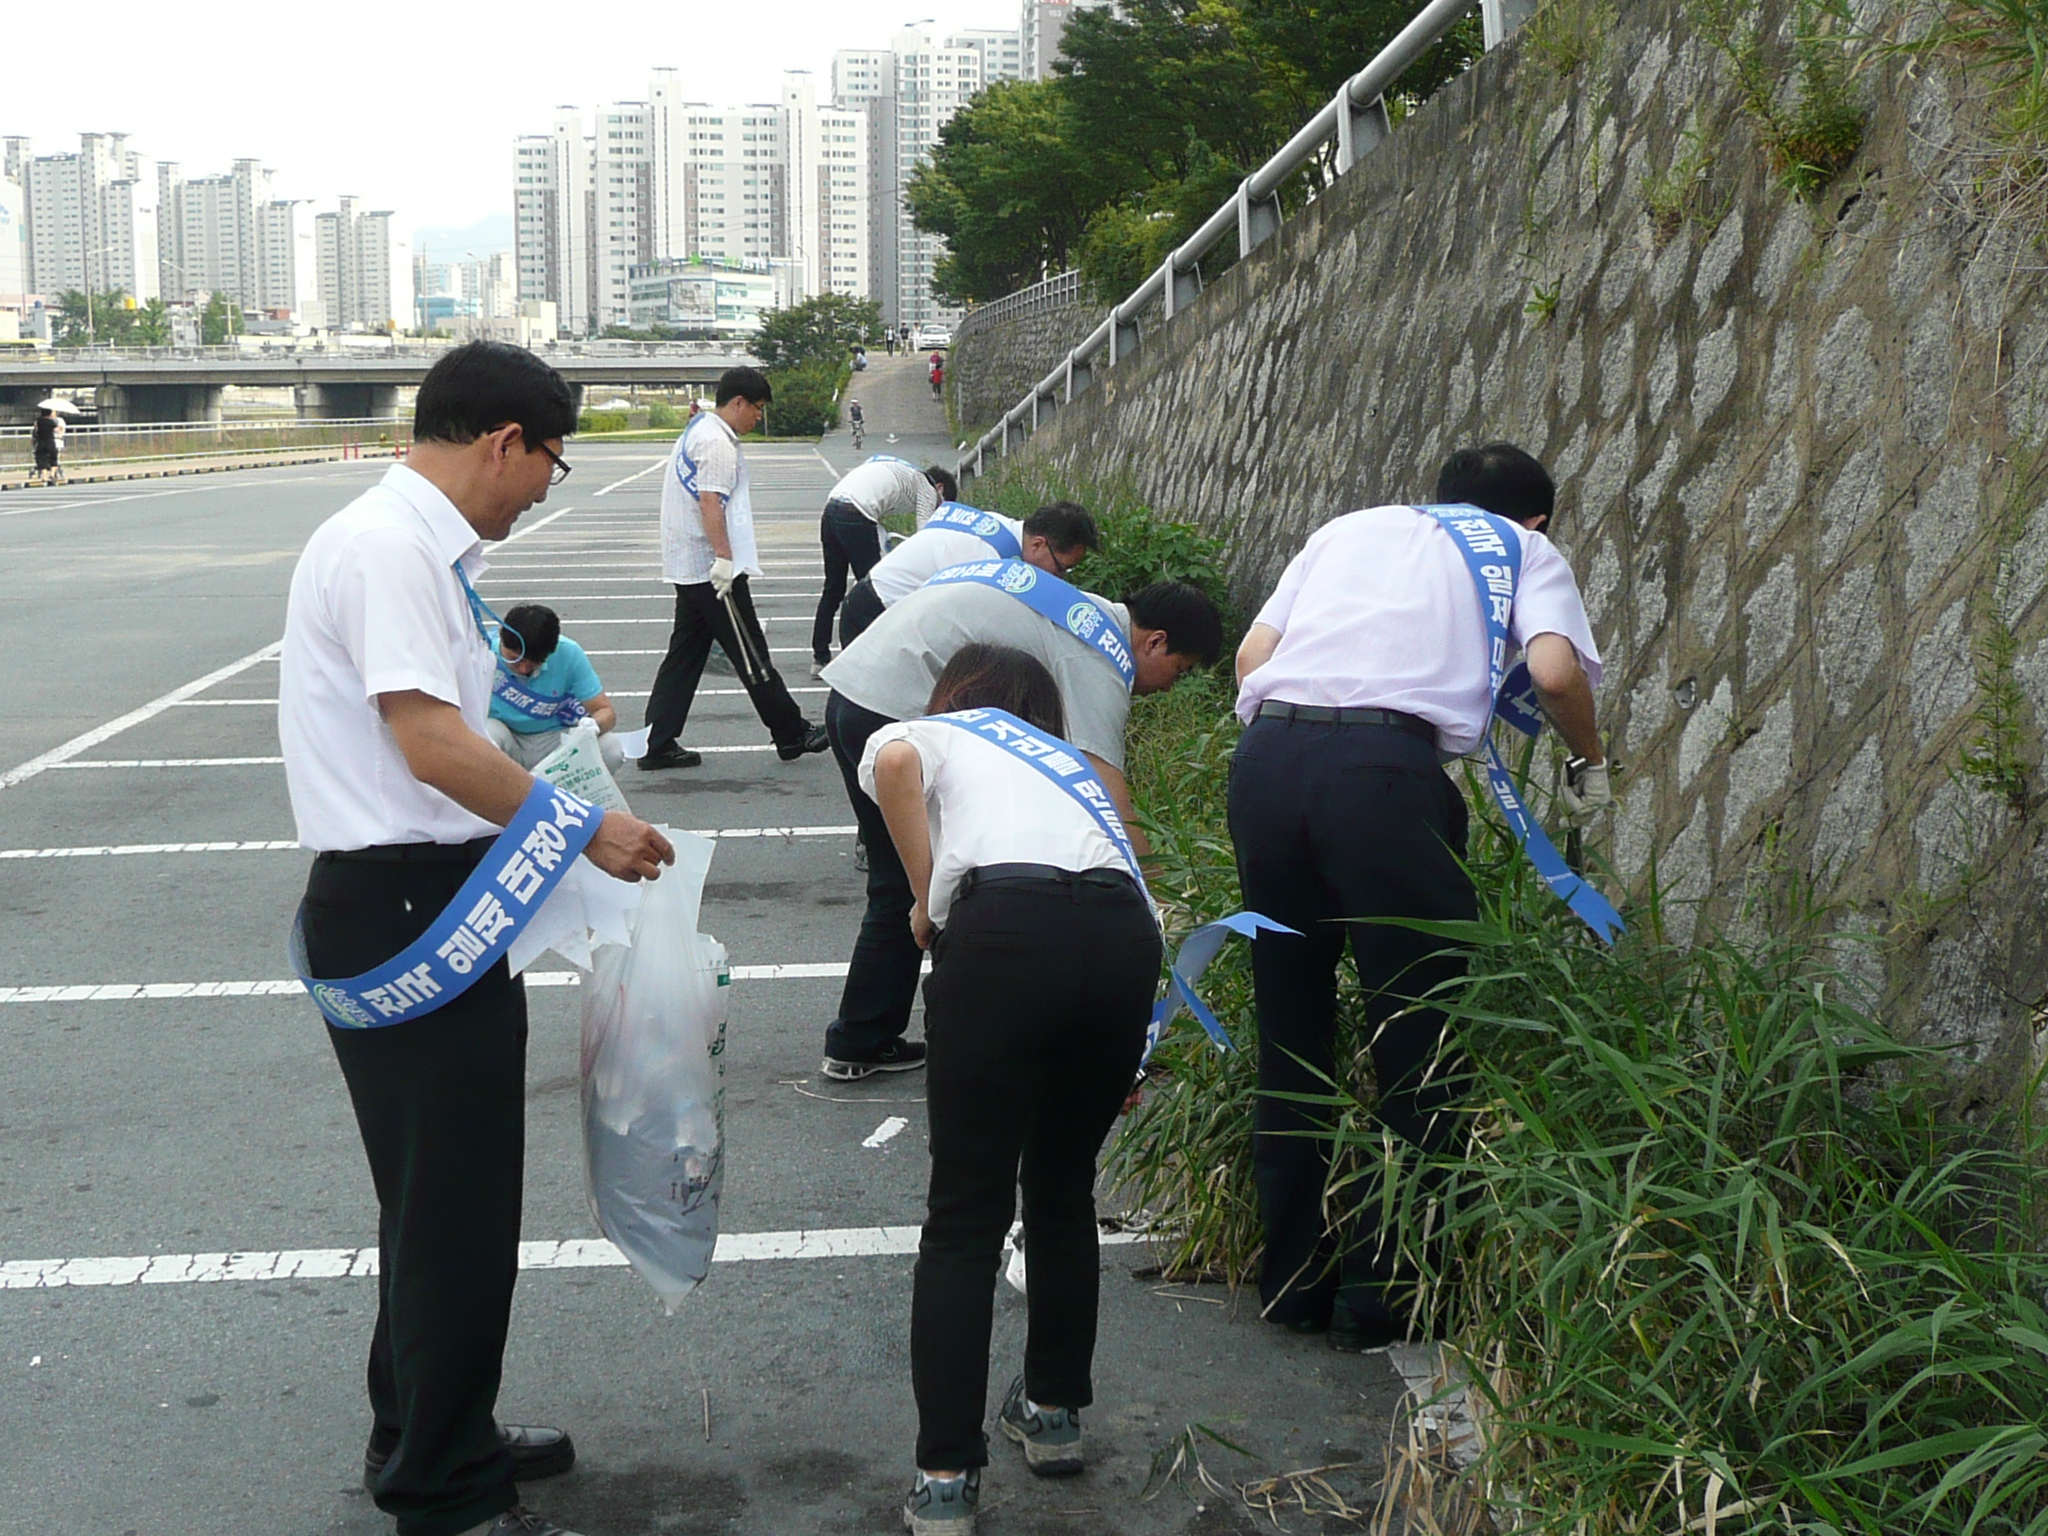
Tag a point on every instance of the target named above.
point(1493, 554)
point(1065, 767)
point(1060, 605)
point(520, 870)
point(558, 709)
point(958, 517)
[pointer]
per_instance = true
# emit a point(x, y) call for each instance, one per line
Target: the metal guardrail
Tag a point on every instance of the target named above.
point(203, 439)
point(1056, 292)
point(1357, 120)
point(369, 347)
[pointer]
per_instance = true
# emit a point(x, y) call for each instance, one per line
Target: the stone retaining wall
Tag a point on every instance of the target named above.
point(994, 368)
point(1798, 449)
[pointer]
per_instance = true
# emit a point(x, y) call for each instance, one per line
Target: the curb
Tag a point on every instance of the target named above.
point(164, 470)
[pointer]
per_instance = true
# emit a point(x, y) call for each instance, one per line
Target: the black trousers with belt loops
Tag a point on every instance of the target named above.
point(441, 1104)
point(1335, 825)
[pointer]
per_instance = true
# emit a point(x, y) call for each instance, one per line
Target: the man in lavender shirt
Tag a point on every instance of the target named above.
point(1365, 671)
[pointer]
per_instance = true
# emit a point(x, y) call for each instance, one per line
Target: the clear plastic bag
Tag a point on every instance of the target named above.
point(654, 1019)
point(577, 765)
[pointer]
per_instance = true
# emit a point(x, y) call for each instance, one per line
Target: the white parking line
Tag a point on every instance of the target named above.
point(289, 845)
point(60, 757)
point(274, 762)
point(159, 991)
point(361, 1263)
point(650, 469)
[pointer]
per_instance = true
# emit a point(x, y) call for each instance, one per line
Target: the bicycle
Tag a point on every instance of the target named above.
point(859, 430)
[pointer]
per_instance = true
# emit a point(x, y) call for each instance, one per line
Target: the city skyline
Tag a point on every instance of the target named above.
point(312, 127)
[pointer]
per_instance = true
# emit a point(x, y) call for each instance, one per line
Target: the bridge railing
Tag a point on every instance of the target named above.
point(166, 441)
point(1355, 121)
point(286, 349)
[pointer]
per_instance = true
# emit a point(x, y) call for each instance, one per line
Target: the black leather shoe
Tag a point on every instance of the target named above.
point(537, 1452)
point(813, 739)
point(670, 756)
point(1307, 1327)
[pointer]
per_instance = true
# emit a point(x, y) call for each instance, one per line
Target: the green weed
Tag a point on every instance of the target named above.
point(1680, 192)
point(1565, 34)
point(1812, 135)
point(1543, 301)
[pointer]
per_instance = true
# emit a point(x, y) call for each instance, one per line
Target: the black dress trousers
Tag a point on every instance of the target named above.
point(852, 541)
point(701, 618)
point(862, 608)
point(1334, 824)
point(881, 980)
point(441, 1104)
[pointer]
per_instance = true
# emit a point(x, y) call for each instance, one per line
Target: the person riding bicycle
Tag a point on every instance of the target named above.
point(856, 421)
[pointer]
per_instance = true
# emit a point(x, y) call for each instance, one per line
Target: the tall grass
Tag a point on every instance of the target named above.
point(1718, 1244)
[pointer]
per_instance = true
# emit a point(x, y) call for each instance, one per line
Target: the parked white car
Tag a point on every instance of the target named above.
point(927, 337)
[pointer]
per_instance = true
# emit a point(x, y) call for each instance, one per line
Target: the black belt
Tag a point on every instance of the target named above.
point(1049, 878)
point(1324, 714)
point(410, 853)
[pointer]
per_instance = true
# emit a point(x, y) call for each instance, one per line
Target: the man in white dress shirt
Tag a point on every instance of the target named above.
point(708, 554)
point(851, 528)
point(383, 695)
point(1367, 667)
point(1055, 538)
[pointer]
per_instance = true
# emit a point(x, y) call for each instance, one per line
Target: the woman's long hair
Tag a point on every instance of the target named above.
point(1000, 677)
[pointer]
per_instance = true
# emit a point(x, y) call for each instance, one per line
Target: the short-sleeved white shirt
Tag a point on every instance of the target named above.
point(886, 485)
point(987, 807)
point(376, 607)
point(1378, 611)
point(892, 668)
point(927, 552)
point(707, 457)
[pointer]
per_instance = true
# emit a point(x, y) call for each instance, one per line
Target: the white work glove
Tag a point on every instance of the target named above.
point(1587, 790)
point(722, 576)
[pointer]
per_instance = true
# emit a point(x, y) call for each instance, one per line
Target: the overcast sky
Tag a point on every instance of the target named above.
point(410, 106)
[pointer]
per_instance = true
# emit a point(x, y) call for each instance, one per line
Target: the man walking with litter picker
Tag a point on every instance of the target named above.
point(708, 554)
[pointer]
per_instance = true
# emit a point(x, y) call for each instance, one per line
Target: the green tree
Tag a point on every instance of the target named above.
point(152, 325)
point(108, 318)
point(219, 320)
point(806, 400)
point(1011, 185)
point(825, 329)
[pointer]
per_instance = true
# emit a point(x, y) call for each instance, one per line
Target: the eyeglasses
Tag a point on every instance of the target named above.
point(560, 471)
point(1064, 566)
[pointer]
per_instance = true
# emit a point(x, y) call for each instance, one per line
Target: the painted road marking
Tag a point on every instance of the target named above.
point(886, 1132)
point(650, 469)
point(702, 693)
point(59, 757)
point(289, 845)
point(361, 1263)
point(258, 762)
point(159, 991)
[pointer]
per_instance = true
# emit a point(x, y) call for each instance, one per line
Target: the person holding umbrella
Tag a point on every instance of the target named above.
point(49, 441)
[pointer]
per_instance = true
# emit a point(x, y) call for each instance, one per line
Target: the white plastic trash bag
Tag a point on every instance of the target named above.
point(654, 1021)
point(577, 765)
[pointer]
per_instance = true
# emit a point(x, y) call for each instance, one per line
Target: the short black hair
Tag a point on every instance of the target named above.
point(748, 384)
point(1064, 525)
point(983, 676)
point(1190, 618)
point(539, 630)
point(1498, 478)
point(479, 386)
point(948, 487)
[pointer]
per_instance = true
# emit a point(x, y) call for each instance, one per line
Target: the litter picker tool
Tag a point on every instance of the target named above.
point(753, 669)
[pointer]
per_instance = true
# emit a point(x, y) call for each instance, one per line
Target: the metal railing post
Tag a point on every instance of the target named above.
point(1258, 218)
point(1123, 334)
point(1179, 289)
point(1502, 17)
point(1359, 129)
point(1079, 376)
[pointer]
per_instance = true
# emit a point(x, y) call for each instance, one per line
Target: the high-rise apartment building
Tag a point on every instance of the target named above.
point(1043, 27)
point(91, 218)
point(551, 220)
point(909, 92)
point(779, 186)
point(365, 269)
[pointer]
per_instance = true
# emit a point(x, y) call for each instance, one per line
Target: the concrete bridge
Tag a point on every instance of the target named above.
point(155, 384)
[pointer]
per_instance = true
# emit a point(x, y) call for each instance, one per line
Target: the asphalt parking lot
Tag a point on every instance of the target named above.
point(183, 1200)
